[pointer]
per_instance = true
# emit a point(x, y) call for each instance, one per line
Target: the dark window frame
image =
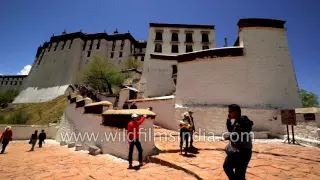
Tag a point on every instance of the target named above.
point(120, 54)
point(156, 49)
point(98, 44)
point(189, 48)
point(174, 48)
point(158, 36)
point(175, 37)
point(189, 37)
point(205, 37)
point(111, 54)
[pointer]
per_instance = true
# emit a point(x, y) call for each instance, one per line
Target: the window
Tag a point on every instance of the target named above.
point(70, 43)
point(120, 54)
point(205, 47)
point(174, 73)
point(174, 49)
point(122, 44)
point(49, 47)
point(89, 53)
point(174, 37)
point(6, 82)
point(140, 50)
point(136, 57)
point(189, 37)
point(1, 82)
point(111, 55)
point(11, 83)
point(55, 48)
point(64, 43)
point(158, 48)
point(90, 46)
point(98, 44)
point(158, 36)
point(113, 45)
point(84, 46)
point(142, 58)
point(20, 83)
point(15, 83)
point(205, 37)
point(189, 48)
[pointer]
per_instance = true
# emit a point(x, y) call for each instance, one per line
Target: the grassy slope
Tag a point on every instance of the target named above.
point(39, 113)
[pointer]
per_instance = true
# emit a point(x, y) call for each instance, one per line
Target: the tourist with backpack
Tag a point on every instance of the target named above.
point(33, 140)
point(5, 138)
point(239, 150)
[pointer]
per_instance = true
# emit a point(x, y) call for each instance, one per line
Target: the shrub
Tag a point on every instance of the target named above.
point(7, 97)
point(18, 117)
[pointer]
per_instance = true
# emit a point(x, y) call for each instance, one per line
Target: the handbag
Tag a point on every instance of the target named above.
point(231, 150)
point(30, 142)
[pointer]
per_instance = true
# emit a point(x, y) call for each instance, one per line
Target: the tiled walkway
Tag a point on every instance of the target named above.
point(56, 162)
point(269, 161)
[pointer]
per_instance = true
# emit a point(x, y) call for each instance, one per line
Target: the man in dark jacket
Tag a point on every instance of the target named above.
point(239, 150)
point(133, 106)
point(42, 137)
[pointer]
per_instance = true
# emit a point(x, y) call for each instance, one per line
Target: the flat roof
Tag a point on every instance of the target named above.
point(182, 25)
point(260, 22)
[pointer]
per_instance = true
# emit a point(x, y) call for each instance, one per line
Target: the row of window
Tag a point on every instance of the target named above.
point(91, 44)
point(114, 45)
point(8, 79)
point(112, 54)
point(175, 48)
point(189, 38)
point(11, 83)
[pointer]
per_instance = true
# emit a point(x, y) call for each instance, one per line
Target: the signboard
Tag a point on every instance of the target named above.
point(288, 117)
point(309, 116)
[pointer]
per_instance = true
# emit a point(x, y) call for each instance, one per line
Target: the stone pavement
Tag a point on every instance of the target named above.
point(269, 161)
point(56, 162)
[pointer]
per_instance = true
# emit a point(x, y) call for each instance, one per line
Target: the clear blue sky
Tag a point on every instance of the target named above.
point(24, 25)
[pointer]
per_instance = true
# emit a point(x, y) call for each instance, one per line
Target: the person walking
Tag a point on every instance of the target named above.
point(185, 127)
point(133, 137)
point(33, 140)
point(42, 137)
point(239, 150)
point(125, 106)
point(192, 130)
point(133, 106)
point(6, 137)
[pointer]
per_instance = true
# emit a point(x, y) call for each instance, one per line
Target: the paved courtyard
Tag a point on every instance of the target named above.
point(56, 162)
point(273, 160)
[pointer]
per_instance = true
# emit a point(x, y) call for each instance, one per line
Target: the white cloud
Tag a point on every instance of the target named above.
point(25, 70)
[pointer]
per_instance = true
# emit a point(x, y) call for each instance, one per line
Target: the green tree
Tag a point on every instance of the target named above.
point(133, 64)
point(102, 75)
point(309, 99)
point(7, 97)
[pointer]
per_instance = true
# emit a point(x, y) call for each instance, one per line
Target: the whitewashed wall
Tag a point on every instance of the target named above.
point(150, 68)
point(24, 132)
point(164, 110)
point(263, 78)
point(75, 121)
point(213, 119)
point(160, 82)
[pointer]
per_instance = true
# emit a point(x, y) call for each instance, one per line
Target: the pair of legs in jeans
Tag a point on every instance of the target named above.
point(184, 136)
point(5, 142)
point(235, 165)
point(136, 143)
